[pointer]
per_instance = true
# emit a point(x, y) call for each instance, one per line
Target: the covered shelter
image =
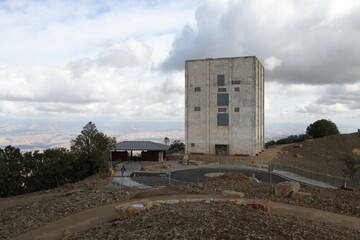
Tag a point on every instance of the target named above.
point(150, 151)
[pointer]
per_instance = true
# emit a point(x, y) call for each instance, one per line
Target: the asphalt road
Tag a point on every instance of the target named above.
point(194, 175)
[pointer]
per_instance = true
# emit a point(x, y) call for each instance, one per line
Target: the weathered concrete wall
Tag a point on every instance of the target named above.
point(245, 131)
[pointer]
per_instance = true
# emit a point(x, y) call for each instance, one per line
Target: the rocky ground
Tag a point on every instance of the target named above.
point(334, 200)
point(216, 220)
point(182, 221)
point(59, 202)
point(323, 155)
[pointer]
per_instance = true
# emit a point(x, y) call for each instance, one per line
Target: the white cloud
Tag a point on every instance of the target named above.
point(307, 36)
point(130, 54)
point(271, 63)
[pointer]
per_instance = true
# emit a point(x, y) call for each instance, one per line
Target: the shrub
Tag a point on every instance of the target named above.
point(322, 128)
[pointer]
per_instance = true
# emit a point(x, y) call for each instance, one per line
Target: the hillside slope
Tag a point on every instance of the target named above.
point(323, 155)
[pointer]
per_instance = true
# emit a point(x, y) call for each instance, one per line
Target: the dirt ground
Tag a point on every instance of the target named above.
point(216, 220)
point(334, 200)
point(209, 221)
point(323, 155)
point(26, 212)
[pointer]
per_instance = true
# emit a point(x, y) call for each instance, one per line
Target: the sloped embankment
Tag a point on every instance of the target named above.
point(323, 155)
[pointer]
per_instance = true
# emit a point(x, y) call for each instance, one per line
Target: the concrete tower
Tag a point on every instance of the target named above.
point(224, 99)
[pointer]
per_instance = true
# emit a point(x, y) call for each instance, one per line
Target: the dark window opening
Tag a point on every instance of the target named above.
point(223, 99)
point(192, 144)
point(237, 89)
point(197, 108)
point(223, 119)
point(197, 89)
point(221, 89)
point(235, 82)
point(237, 109)
point(221, 109)
point(220, 80)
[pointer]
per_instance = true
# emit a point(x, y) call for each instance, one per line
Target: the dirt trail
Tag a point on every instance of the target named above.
point(266, 156)
point(92, 217)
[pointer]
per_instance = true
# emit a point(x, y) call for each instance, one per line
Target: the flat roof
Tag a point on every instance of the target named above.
point(210, 59)
point(141, 145)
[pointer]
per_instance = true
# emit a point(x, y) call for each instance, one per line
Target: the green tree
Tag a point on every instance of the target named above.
point(177, 145)
point(90, 147)
point(166, 141)
point(322, 128)
point(53, 167)
point(12, 177)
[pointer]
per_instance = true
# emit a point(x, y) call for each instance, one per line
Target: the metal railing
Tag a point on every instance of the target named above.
point(329, 179)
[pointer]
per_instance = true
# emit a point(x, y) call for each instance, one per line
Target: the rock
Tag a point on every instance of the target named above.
point(167, 166)
point(185, 160)
point(151, 169)
point(232, 194)
point(285, 189)
point(132, 208)
point(356, 151)
point(66, 234)
point(298, 146)
point(298, 155)
point(214, 174)
point(194, 162)
point(263, 205)
point(158, 187)
point(301, 196)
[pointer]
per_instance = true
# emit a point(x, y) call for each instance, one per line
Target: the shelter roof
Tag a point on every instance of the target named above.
point(141, 145)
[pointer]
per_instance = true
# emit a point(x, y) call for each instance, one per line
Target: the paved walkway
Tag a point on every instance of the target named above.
point(96, 216)
point(134, 167)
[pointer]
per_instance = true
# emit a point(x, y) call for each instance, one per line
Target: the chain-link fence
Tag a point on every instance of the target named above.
point(331, 180)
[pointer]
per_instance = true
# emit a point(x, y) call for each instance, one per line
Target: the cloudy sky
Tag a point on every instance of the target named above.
point(120, 64)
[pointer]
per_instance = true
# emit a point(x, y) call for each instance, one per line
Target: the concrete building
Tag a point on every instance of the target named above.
point(224, 101)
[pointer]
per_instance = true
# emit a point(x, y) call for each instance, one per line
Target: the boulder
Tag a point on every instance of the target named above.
point(194, 162)
point(232, 194)
point(285, 189)
point(185, 160)
point(263, 205)
point(356, 151)
point(167, 166)
point(301, 196)
point(66, 234)
point(132, 208)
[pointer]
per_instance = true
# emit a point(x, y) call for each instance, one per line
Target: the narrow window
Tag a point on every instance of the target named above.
point(237, 89)
point(223, 119)
point(197, 89)
point(221, 89)
point(221, 109)
point(220, 80)
point(192, 144)
point(223, 99)
point(197, 108)
point(235, 82)
point(237, 109)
